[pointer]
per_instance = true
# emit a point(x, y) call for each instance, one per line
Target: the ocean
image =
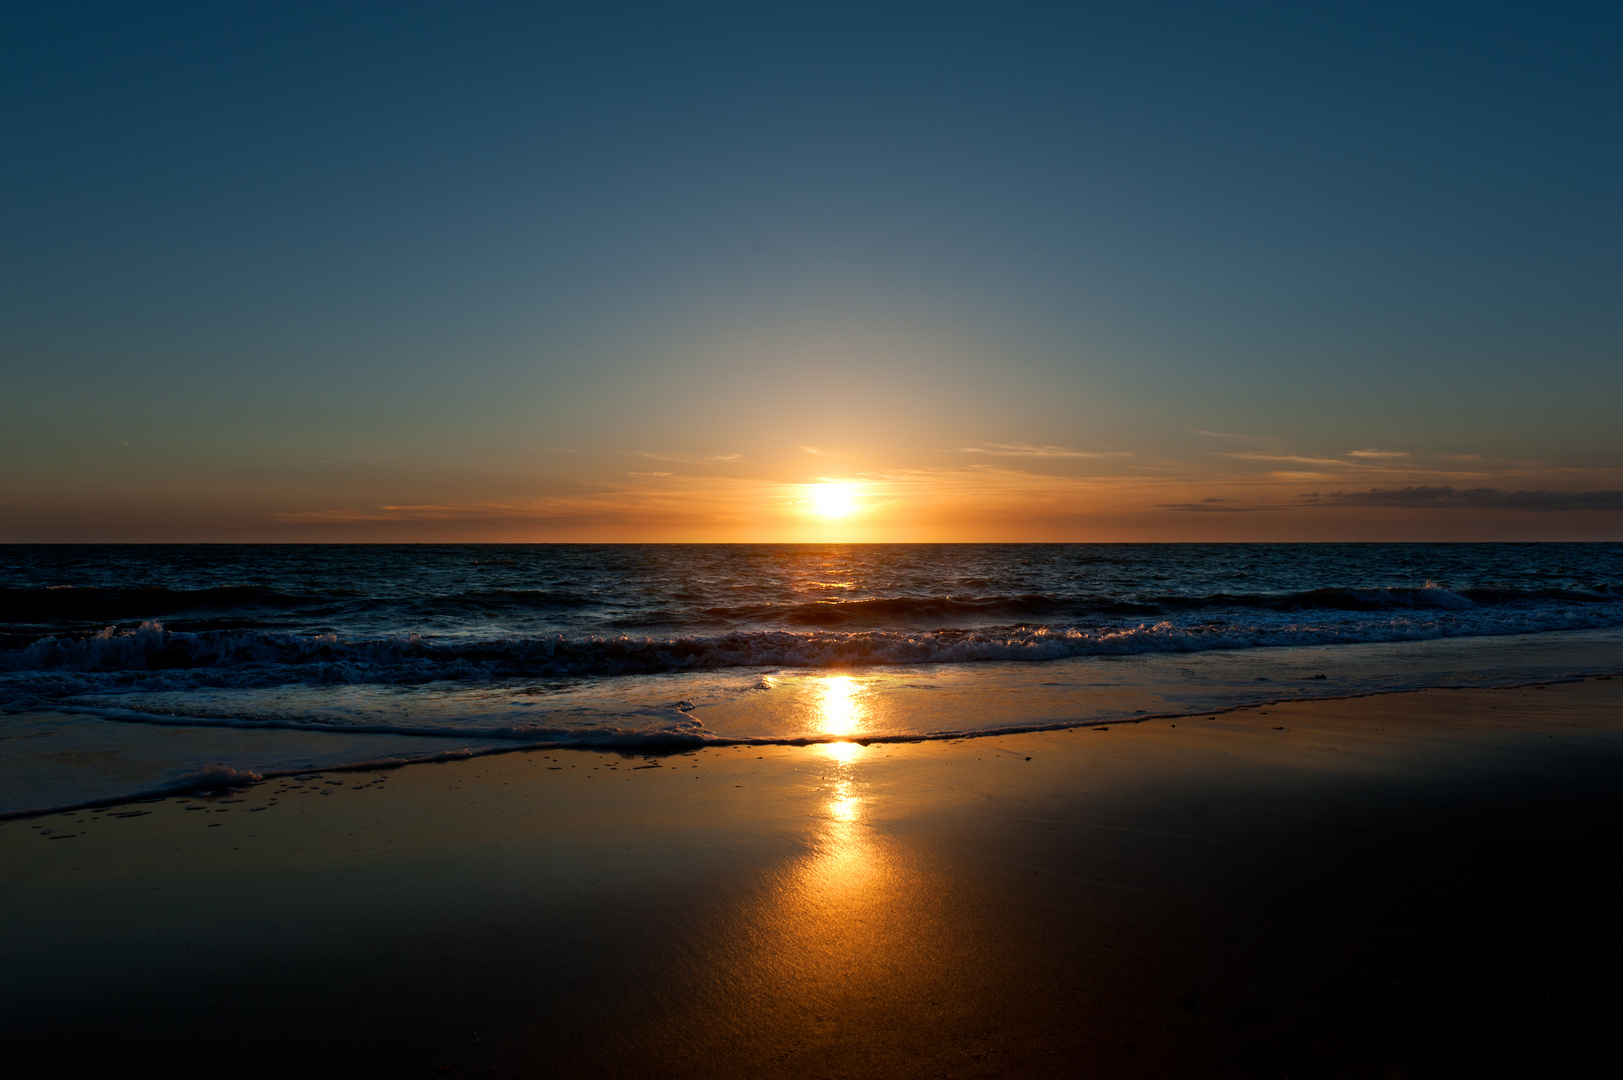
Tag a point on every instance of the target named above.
point(130, 670)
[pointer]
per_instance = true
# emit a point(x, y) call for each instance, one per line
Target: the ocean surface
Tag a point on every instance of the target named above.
point(130, 670)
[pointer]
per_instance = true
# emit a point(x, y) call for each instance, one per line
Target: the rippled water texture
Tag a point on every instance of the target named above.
point(332, 654)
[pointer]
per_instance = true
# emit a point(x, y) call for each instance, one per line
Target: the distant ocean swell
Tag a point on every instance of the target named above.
point(50, 607)
point(54, 604)
point(152, 657)
point(136, 669)
point(909, 610)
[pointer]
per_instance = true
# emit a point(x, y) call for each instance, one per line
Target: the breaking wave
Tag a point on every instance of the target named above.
point(636, 646)
point(27, 613)
point(152, 657)
point(981, 610)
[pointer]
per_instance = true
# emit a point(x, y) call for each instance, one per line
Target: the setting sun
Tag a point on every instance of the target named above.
point(832, 500)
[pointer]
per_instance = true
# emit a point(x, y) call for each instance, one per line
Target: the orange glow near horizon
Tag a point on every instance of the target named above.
point(1236, 496)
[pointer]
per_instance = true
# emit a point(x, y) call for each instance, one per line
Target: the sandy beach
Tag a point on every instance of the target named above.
point(704, 542)
point(1400, 885)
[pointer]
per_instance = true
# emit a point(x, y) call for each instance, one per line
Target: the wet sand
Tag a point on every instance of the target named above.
point(1412, 884)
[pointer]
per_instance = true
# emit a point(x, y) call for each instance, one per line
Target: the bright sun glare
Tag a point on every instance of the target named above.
point(833, 500)
point(840, 709)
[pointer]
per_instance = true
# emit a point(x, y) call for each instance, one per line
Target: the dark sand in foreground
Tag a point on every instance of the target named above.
point(1410, 885)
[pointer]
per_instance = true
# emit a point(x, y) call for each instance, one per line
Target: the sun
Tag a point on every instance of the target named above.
point(832, 500)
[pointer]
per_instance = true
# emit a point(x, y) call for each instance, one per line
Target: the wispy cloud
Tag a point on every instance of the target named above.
point(1378, 453)
point(1293, 459)
point(643, 499)
point(1029, 450)
point(689, 459)
point(1445, 497)
point(1236, 437)
point(406, 513)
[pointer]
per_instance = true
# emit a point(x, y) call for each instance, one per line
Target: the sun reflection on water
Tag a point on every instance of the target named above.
point(841, 932)
point(844, 804)
point(844, 807)
point(841, 710)
point(840, 706)
point(845, 860)
point(839, 751)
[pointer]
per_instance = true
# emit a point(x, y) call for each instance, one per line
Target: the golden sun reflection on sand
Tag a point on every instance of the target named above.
point(844, 803)
point(843, 928)
point(841, 709)
point(845, 864)
point(843, 868)
point(839, 751)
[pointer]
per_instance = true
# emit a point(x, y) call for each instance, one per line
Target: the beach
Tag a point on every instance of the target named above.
point(676, 542)
point(1399, 884)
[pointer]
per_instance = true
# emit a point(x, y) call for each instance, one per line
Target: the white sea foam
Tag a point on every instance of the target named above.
point(264, 659)
point(152, 658)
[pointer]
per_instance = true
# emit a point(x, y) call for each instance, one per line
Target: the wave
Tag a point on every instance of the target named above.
point(65, 602)
point(676, 728)
point(948, 610)
point(524, 599)
point(69, 604)
point(930, 610)
point(27, 613)
point(209, 778)
point(152, 657)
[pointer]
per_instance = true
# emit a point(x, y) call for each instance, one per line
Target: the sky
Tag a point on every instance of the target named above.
point(816, 272)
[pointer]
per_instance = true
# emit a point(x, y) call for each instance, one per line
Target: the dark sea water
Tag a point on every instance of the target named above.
point(129, 668)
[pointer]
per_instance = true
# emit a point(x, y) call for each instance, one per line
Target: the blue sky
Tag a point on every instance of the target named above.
point(658, 271)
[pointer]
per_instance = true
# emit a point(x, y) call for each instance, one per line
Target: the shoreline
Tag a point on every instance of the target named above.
point(1400, 882)
point(654, 745)
point(684, 744)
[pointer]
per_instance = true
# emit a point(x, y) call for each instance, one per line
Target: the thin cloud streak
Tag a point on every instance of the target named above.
point(1030, 450)
point(1294, 459)
point(1237, 437)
